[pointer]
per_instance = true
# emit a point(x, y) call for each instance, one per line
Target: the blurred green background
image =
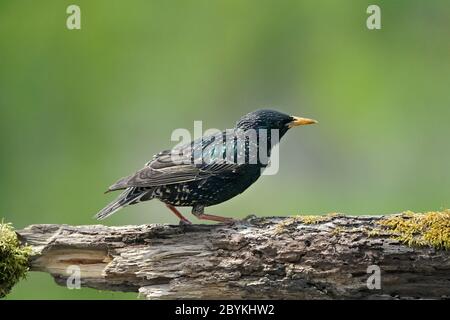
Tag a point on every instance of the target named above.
point(80, 109)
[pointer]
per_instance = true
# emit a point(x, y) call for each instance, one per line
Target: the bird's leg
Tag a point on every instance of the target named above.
point(182, 218)
point(198, 212)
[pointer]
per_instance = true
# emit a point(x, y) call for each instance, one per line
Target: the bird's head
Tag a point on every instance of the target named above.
point(271, 119)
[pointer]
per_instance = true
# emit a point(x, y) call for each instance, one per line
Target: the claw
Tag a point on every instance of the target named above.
point(184, 222)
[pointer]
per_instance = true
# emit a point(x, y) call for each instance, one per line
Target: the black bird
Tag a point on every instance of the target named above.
point(207, 171)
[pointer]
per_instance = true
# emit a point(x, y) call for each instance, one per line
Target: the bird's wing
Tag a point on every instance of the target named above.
point(181, 165)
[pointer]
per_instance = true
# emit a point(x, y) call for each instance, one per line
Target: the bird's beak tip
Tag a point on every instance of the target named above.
point(298, 121)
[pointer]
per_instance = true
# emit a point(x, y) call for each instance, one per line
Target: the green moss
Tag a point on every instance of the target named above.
point(337, 230)
point(280, 227)
point(417, 229)
point(413, 229)
point(13, 259)
point(313, 219)
point(373, 233)
point(318, 219)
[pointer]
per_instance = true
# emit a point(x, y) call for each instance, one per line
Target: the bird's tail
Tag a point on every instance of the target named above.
point(129, 196)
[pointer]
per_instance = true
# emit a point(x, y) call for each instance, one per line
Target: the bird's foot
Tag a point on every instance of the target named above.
point(184, 222)
point(230, 221)
point(225, 220)
point(211, 217)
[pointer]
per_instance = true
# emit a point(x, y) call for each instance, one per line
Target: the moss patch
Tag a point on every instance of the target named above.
point(281, 227)
point(312, 219)
point(417, 229)
point(430, 229)
point(318, 219)
point(13, 259)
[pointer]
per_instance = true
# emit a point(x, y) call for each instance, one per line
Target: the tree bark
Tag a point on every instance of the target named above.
point(258, 258)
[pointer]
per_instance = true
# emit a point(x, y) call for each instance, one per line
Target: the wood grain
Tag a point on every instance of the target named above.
point(258, 258)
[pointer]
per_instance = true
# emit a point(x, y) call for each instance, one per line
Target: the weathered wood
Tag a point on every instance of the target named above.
point(259, 258)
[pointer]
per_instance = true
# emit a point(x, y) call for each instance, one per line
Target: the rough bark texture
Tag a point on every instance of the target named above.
point(259, 258)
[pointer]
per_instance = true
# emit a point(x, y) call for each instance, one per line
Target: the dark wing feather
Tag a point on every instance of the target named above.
point(179, 166)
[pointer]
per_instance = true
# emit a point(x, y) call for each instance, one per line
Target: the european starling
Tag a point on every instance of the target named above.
point(207, 171)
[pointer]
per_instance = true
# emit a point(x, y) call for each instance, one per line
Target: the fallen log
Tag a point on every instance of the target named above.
point(322, 257)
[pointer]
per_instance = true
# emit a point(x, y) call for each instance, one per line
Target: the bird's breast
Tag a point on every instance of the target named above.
point(208, 191)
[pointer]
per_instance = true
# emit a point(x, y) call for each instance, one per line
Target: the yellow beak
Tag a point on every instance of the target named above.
point(300, 122)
